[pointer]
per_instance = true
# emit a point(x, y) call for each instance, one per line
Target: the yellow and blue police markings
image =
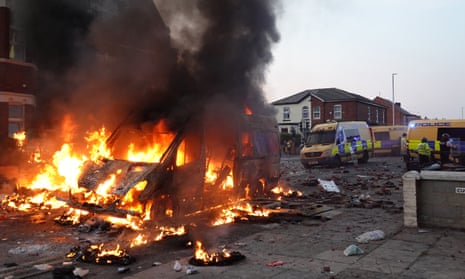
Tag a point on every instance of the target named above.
point(386, 144)
point(347, 148)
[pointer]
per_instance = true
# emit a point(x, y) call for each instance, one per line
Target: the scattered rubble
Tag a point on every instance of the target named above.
point(370, 236)
point(362, 187)
point(353, 250)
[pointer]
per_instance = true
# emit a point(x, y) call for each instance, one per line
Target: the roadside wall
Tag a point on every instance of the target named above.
point(434, 198)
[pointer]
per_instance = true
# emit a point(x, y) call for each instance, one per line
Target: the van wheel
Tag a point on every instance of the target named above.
point(306, 166)
point(336, 161)
point(364, 159)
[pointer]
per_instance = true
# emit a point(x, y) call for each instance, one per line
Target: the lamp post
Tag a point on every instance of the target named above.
point(393, 103)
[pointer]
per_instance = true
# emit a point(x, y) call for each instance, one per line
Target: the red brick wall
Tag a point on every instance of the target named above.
point(351, 111)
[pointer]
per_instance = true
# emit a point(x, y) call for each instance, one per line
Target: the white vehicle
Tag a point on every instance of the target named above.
point(334, 143)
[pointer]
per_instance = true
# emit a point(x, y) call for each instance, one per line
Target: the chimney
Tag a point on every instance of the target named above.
point(4, 32)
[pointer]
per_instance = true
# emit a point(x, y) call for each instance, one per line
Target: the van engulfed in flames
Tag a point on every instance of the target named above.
point(186, 177)
point(131, 176)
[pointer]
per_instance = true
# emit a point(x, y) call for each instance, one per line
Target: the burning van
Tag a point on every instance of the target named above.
point(197, 169)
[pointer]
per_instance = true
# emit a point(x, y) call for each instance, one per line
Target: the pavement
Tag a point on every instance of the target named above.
point(317, 251)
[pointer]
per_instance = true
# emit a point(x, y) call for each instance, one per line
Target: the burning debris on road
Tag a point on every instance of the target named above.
point(98, 254)
point(224, 257)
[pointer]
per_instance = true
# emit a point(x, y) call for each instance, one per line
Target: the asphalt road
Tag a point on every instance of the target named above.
point(370, 197)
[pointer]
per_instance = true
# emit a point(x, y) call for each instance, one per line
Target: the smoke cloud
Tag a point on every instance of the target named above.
point(168, 59)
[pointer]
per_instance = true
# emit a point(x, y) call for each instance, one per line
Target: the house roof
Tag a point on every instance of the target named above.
point(389, 102)
point(325, 95)
point(293, 99)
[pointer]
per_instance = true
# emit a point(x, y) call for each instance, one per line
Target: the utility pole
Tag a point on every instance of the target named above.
point(393, 101)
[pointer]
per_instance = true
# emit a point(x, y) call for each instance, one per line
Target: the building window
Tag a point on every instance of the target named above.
point(305, 113)
point(337, 112)
point(284, 130)
point(382, 117)
point(377, 116)
point(15, 119)
point(369, 114)
point(316, 112)
point(286, 114)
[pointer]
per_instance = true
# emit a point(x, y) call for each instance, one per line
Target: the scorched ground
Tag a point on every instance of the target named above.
point(371, 195)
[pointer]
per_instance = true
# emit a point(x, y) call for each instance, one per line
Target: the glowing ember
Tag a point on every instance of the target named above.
point(98, 254)
point(231, 214)
point(170, 231)
point(72, 217)
point(28, 203)
point(139, 240)
point(279, 190)
point(163, 231)
point(202, 257)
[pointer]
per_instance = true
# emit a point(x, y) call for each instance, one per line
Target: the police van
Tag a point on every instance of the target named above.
point(334, 143)
point(387, 139)
point(433, 130)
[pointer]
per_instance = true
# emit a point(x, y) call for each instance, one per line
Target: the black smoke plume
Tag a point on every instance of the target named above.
point(139, 64)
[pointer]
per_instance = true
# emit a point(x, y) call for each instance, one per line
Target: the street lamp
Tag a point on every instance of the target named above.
point(393, 103)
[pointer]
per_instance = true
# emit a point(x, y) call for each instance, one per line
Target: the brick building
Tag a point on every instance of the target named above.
point(401, 116)
point(299, 112)
point(18, 85)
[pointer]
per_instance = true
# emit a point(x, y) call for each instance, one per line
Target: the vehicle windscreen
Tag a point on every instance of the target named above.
point(321, 137)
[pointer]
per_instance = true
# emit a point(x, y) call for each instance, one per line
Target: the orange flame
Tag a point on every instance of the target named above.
point(247, 110)
point(229, 215)
point(202, 255)
point(61, 173)
point(20, 137)
point(281, 191)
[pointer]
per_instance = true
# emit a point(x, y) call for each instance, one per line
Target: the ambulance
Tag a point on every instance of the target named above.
point(432, 130)
point(334, 143)
point(387, 139)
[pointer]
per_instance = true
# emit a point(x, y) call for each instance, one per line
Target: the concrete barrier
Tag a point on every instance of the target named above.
point(434, 198)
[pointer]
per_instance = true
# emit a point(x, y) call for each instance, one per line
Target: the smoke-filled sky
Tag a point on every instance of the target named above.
point(356, 45)
point(107, 68)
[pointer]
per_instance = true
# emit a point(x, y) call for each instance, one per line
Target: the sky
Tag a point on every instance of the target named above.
point(356, 45)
